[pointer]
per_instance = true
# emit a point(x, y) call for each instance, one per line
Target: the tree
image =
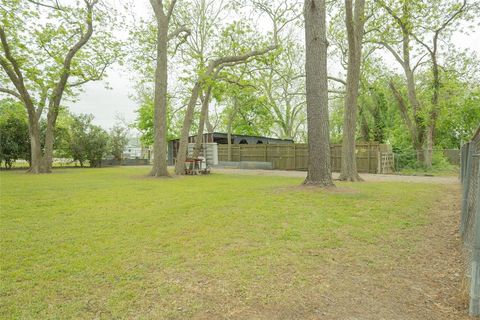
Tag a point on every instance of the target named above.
point(87, 142)
point(354, 21)
point(319, 170)
point(38, 65)
point(118, 141)
point(163, 17)
point(14, 140)
point(213, 68)
point(439, 17)
point(97, 145)
point(402, 21)
point(78, 137)
point(373, 109)
point(233, 48)
point(144, 120)
point(282, 82)
point(245, 111)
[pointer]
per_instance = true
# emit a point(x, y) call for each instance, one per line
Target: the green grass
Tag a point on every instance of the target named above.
point(111, 243)
point(439, 171)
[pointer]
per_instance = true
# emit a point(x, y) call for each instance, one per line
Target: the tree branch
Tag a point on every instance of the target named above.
point(8, 55)
point(337, 80)
point(11, 92)
point(177, 31)
point(394, 53)
point(242, 57)
point(15, 75)
point(54, 7)
point(60, 86)
point(170, 10)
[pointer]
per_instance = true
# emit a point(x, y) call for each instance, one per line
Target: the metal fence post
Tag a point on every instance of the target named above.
point(466, 187)
point(475, 272)
point(464, 158)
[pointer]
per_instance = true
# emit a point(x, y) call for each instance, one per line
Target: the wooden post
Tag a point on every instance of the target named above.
point(265, 153)
point(294, 157)
point(369, 155)
point(379, 161)
point(466, 188)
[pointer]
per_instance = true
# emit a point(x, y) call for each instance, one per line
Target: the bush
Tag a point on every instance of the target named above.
point(14, 138)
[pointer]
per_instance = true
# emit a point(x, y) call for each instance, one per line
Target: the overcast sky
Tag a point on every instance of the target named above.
point(107, 104)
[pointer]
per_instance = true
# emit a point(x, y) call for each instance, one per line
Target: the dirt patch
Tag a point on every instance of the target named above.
point(313, 189)
point(366, 176)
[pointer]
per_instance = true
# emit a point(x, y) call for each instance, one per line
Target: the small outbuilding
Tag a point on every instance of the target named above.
point(222, 138)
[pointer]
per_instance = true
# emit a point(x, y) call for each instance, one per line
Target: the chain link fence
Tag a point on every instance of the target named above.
point(470, 218)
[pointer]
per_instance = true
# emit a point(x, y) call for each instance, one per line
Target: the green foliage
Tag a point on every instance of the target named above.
point(97, 146)
point(14, 137)
point(87, 142)
point(41, 37)
point(144, 121)
point(118, 141)
point(253, 116)
point(459, 114)
point(78, 137)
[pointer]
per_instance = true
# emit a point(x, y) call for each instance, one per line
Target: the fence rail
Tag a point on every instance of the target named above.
point(295, 156)
point(470, 218)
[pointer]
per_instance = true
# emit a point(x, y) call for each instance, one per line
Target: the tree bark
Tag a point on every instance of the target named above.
point(430, 135)
point(159, 168)
point(187, 124)
point(231, 118)
point(319, 170)
point(35, 148)
point(162, 15)
point(201, 125)
point(47, 161)
point(354, 21)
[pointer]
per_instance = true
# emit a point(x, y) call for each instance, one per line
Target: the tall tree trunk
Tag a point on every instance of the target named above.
point(187, 124)
point(159, 168)
point(35, 148)
point(319, 170)
point(50, 138)
point(354, 19)
point(430, 135)
point(231, 118)
point(418, 121)
point(210, 128)
point(201, 125)
point(428, 147)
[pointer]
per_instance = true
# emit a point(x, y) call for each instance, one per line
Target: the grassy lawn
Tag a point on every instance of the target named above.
point(111, 243)
point(448, 171)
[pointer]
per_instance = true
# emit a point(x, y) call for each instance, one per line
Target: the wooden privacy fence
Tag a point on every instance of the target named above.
point(295, 156)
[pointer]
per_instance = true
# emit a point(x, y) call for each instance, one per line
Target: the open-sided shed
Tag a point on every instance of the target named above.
point(222, 138)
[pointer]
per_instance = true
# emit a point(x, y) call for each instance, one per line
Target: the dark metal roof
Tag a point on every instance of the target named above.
point(248, 136)
point(224, 135)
